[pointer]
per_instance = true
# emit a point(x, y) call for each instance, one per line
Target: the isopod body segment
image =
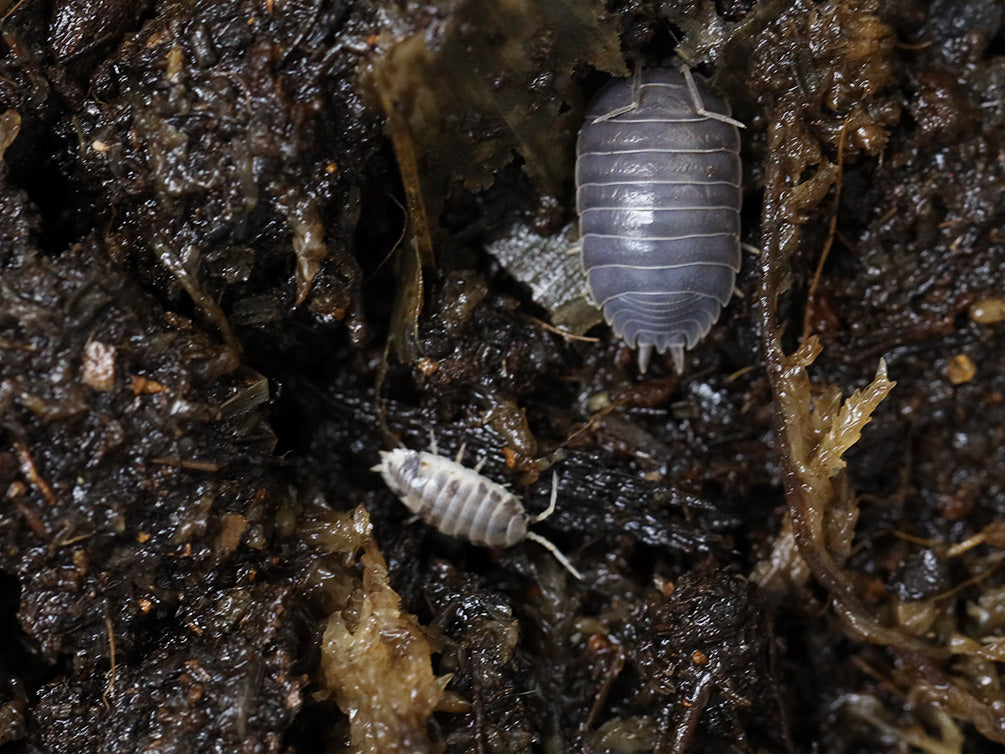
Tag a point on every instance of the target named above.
point(462, 503)
point(658, 195)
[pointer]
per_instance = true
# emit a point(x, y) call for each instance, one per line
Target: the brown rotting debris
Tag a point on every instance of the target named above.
point(205, 211)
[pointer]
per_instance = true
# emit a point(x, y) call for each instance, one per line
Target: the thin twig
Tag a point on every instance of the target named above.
point(831, 230)
point(29, 469)
point(563, 333)
point(113, 665)
point(780, 239)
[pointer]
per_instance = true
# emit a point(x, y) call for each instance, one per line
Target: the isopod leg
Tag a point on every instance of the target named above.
point(699, 105)
point(551, 503)
point(556, 552)
point(636, 99)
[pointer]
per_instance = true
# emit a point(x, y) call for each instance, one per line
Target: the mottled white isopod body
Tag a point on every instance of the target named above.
point(462, 503)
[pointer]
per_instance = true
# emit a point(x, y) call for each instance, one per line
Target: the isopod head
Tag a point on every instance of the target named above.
point(399, 468)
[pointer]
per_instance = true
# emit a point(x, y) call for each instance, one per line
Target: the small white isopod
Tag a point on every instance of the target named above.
point(462, 503)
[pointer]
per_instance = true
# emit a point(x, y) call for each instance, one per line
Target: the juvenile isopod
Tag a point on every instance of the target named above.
point(658, 196)
point(462, 503)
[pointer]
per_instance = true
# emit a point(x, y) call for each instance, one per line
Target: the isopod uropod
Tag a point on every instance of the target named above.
point(462, 503)
point(658, 196)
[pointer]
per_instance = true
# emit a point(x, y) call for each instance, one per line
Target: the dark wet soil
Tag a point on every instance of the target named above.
point(245, 246)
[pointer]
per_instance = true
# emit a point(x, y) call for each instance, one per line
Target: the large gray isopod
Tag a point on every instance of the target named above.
point(462, 503)
point(658, 196)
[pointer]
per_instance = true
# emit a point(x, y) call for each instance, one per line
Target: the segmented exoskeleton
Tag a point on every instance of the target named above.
point(462, 503)
point(658, 195)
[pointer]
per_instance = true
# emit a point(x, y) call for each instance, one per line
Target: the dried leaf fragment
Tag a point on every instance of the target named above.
point(10, 127)
point(308, 238)
point(376, 658)
point(554, 275)
point(846, 428)
point(820, 433)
